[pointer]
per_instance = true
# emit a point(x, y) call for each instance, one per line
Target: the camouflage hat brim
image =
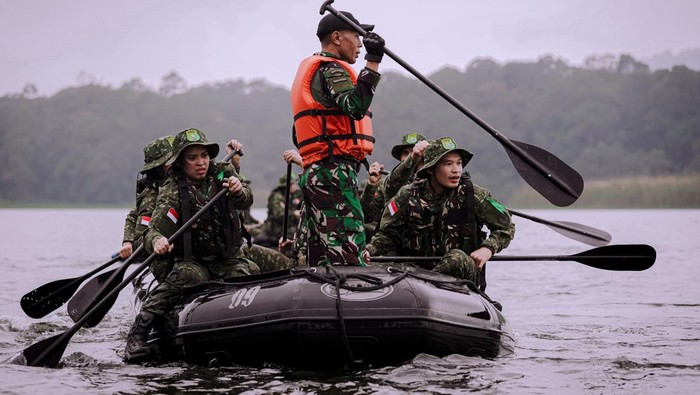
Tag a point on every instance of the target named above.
point(466, 157)
point(212, 148)
point(156, 163)
point(398, 150)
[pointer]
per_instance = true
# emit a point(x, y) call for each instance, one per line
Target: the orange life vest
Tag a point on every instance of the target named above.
point(321, 132)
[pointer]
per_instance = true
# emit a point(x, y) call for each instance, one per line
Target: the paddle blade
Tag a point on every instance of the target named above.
point(47, 298)
point(585, 234)
point(556, 181)
point(91, 293)
point(622, 257)
point(47, 352)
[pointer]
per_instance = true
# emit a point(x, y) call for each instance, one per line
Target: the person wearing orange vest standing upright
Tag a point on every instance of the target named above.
point(333, 133)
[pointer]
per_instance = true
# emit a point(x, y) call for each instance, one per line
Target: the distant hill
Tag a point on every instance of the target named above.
point(666, 60)
point(613, 118)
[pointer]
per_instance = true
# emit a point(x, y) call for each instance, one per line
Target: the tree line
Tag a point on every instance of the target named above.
point(612, 117)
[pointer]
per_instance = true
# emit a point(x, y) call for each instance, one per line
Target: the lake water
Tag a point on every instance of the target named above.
point(578, 329)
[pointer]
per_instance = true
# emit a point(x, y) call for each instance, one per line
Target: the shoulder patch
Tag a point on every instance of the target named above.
point(495, 203)
point(172, 214)
point(393, 208)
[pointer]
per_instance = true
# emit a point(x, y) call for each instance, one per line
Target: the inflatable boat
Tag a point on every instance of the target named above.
point(331, 317)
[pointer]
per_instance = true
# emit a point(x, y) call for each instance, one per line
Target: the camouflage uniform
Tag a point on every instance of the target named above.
point(418, 221)
point(156, 153)
point(267, 259)
point(211, 255)
point(375, 197)
point(334, 216)
point(273, 227)
point(251, 223)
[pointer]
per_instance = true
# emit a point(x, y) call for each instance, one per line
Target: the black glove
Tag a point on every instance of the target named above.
point(374, 45)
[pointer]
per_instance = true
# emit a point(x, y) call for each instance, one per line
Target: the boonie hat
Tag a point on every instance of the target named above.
point(330, 23)
point(439, 148)
point(157, 152)
point(191, 137)
point(407, 141)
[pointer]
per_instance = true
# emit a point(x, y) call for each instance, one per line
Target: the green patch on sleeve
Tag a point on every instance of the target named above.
point(220, 176)
point(501, 208)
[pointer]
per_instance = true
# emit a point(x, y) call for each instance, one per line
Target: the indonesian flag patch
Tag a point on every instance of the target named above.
point(172, 214)
point(145, 221)
point(393, 208)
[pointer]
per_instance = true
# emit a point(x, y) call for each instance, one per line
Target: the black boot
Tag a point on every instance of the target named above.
point(137, 348)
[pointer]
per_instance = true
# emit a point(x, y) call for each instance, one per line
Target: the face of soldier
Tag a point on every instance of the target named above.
point(348, 43)
point(195, 162)
point(405, 153)
point(446, 173)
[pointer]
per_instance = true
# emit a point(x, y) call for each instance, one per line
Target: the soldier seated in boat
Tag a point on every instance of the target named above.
point(152, 176)
point(208, 250)
point(156, 153)
point(380, 189)
point(441, 213)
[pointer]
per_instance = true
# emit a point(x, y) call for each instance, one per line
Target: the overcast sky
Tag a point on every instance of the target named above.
point(51, 43)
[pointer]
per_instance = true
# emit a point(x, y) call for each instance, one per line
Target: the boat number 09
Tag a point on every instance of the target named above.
point(243, 297)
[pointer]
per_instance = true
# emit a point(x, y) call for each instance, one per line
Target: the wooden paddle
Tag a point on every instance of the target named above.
point(48, 352)
point(622, 257)
point(572, 230)
point(50, 296)
point(547, 174)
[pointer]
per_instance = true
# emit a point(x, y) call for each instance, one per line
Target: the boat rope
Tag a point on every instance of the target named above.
point(341, 320)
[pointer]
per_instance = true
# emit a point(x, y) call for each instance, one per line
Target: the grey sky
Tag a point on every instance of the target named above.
point(50, 43)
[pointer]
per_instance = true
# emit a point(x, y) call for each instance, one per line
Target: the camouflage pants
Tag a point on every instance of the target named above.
point(459, 264)
point(188, 273)
point(267, 259)
point(334, 218)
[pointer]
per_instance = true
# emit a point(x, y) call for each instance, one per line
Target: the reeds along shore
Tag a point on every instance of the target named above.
point(673, 191)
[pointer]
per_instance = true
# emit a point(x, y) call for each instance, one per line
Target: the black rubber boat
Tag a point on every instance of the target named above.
point(329, 318)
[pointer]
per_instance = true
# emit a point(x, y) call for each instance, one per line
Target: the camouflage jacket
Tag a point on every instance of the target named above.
point(332, 87)
point(415, 221)
point(139, 217)
point(375, 197)
point(274, 223)
point(208, 233)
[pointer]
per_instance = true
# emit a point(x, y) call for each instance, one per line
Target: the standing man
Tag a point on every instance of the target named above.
point(442, 214)
point(333, 133)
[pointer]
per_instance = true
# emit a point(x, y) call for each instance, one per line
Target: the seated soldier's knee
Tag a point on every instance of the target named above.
point(457, 263)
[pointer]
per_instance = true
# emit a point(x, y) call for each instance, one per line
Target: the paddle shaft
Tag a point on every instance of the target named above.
point(287, 192)
point(518, 258)
point(623, 257)
point(505, 141)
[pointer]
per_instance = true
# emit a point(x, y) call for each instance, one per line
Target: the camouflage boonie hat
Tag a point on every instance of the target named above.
point(157, 152)
point(439, 148)
point(191, 137)
point(407, 141)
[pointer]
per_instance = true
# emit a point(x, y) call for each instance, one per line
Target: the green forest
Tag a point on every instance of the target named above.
point(609, 119)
